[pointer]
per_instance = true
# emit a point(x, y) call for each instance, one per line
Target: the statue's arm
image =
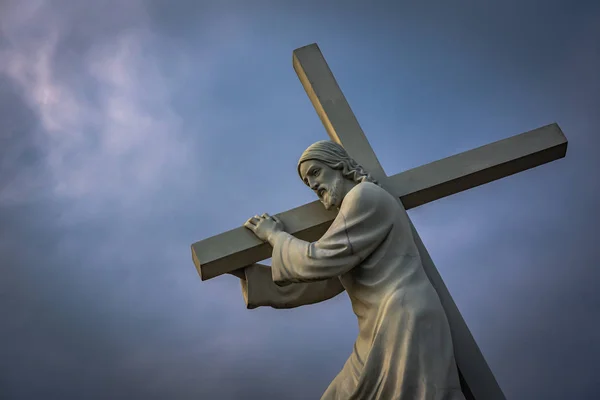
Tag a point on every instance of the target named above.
point(365, 219)
point(259, 290)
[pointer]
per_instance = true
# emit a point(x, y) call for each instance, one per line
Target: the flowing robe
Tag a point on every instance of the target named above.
point(404, 348)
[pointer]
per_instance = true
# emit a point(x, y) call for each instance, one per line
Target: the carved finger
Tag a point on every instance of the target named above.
point(250, 225)
point(250, 222)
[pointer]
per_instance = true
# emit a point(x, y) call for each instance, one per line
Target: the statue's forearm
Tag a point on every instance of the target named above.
point(240, 273)
point(259, 290)
point(274, 236)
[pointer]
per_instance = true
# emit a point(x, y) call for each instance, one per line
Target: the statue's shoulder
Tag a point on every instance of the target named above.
point(367, 189)
point(370, 199)
point(366, 193)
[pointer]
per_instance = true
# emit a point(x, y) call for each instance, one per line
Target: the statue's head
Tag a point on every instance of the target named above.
point(327, 169)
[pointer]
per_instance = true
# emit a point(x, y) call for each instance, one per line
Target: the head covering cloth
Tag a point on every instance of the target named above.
point(325, 151)
point(335, 156)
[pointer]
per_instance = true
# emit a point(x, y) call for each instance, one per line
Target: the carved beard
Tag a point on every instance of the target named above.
point(332, 194)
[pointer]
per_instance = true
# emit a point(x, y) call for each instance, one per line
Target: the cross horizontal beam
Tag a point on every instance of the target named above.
point(239, 247)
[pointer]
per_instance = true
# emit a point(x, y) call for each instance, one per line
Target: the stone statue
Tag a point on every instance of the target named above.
point(404, 347)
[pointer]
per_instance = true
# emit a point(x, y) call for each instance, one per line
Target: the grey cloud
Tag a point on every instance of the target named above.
point(18, 156)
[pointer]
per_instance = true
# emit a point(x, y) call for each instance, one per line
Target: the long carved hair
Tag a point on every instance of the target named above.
point(335, 156)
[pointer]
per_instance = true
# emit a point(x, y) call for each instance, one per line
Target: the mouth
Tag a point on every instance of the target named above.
point(321, 193)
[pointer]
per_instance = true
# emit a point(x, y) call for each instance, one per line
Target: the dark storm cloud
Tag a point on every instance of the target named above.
point(126, 129)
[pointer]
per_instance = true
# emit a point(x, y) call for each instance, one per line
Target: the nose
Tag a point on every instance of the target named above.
point(313, 184)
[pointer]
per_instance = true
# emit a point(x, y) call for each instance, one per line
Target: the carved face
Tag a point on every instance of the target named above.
point(326, 182)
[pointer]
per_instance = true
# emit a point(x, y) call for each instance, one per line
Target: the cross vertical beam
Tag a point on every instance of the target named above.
point(477, 379)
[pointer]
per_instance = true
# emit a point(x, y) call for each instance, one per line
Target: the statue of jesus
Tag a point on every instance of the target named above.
point(404, 348)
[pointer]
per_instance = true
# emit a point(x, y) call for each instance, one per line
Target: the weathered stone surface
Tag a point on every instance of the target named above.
point(239, 247)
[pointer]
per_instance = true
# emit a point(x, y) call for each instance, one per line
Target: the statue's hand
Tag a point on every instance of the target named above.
point(264, 226)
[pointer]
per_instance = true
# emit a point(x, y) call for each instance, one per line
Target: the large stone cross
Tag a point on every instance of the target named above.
point(240, 247)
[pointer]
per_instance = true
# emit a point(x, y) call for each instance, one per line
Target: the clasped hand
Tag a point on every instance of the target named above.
point(264, 226)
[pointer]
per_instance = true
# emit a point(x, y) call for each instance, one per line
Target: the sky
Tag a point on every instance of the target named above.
point(130, 130)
